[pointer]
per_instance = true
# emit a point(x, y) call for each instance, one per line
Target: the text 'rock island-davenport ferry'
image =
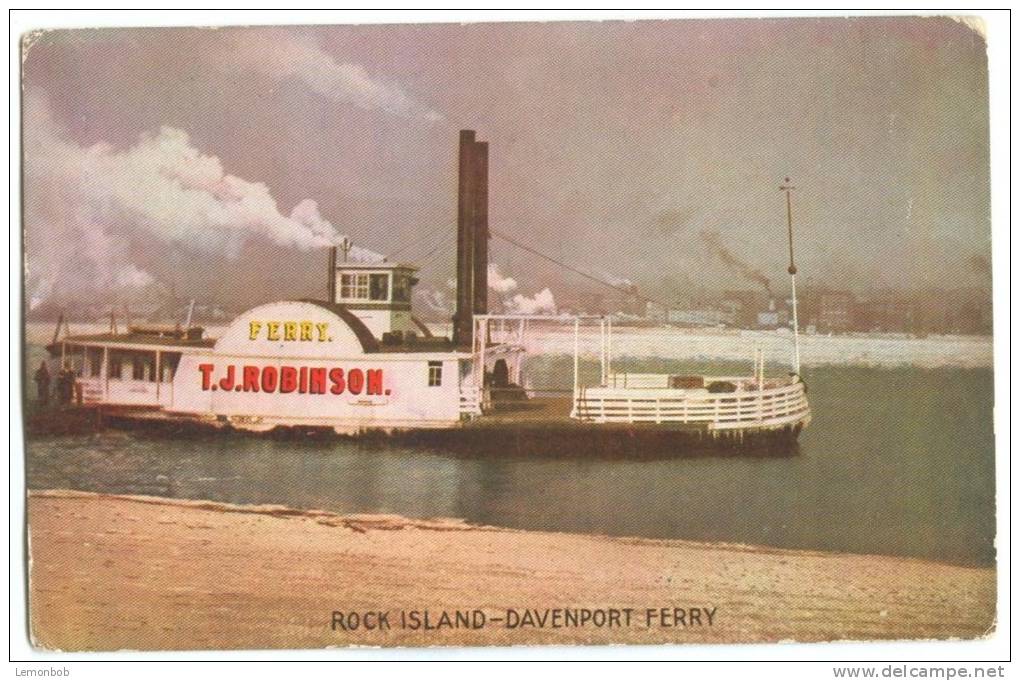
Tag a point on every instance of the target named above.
point(360, 363)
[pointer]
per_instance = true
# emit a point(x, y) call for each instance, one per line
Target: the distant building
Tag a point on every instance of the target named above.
point(835, 311)
point(744, 305)
point(773, 318)
point(627, 301)
point(963, 310)
point(885, 314)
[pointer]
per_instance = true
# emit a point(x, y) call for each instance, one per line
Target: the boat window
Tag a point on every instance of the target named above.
point(138, 368)
point(435, 374)
point(401, 288)
point(143, 367)
point(116, 360)
point(95, 362)
point(168, 366)
point(354, 286)
point(379, 286)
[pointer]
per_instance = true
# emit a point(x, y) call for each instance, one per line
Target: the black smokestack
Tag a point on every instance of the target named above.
point(472, 235)
point(466, 205)
point(480, 284)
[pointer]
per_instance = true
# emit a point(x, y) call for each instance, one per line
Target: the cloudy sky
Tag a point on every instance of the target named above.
point(221, 162)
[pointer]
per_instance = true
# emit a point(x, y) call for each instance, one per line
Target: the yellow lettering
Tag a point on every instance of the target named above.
point(289, 331)
point(322, 329)
point(273, 331)
point(253, 330)
point(306, 331)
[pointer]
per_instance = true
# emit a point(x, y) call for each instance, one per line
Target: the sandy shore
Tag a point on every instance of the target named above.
point(116, 572)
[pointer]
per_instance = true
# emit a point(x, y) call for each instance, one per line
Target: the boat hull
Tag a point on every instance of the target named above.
point(499, 436)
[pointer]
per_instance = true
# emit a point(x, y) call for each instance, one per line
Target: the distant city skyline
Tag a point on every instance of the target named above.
point(218, 164)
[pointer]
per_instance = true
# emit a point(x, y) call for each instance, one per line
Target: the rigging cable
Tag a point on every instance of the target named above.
point(597, 280)
point(579, 272)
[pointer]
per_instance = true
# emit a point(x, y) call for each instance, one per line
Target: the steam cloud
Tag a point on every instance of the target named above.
point(81, 201)
point(617, 281)
point(282, 56)
point(714, 243)
point(542, 302)
point(499, 283)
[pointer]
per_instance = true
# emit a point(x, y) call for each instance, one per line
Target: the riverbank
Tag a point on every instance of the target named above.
point(113, 572)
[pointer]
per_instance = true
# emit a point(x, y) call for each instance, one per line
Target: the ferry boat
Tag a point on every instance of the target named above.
point(360, 363)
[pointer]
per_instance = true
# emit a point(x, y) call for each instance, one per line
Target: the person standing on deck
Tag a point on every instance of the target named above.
point(42, 383)
point(65, 385)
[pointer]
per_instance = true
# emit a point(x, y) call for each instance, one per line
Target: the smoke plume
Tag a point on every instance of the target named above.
point(85, 206)
point(670, 222)
point(282, 56)
point(713, 242)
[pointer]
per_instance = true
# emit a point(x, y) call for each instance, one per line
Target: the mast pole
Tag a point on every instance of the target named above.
point(792, 269)
point(609, 348)
point(577, 337)
point(602, 348)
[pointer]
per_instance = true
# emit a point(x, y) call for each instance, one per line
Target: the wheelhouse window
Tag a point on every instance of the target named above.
point(374, 286)
point(435, 374)
point(354, 286)
point(401, 288)
point(379, 286)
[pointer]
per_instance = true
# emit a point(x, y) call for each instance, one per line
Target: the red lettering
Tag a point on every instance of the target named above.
point(355, 381)
point(270, 376)
point(374, 381)
point(227, 382)
point(336, 376)
point(288, 379)
point(206, 370)
point(317, 381)
point(251, 379)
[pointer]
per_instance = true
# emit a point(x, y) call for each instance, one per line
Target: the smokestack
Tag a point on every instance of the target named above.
point(468, 204)
point(480, 283)
point(331, 282)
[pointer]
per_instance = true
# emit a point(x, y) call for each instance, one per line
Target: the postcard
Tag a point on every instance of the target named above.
point(512, 333)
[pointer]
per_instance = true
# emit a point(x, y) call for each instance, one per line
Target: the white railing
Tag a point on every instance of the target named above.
point(470, 401)
point(627, 380)
point(770, 407)
point(98, 390)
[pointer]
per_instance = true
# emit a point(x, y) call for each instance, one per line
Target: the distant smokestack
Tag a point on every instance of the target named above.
point(472, 235)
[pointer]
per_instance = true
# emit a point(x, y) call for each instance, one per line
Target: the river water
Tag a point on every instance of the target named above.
point(897, 461)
